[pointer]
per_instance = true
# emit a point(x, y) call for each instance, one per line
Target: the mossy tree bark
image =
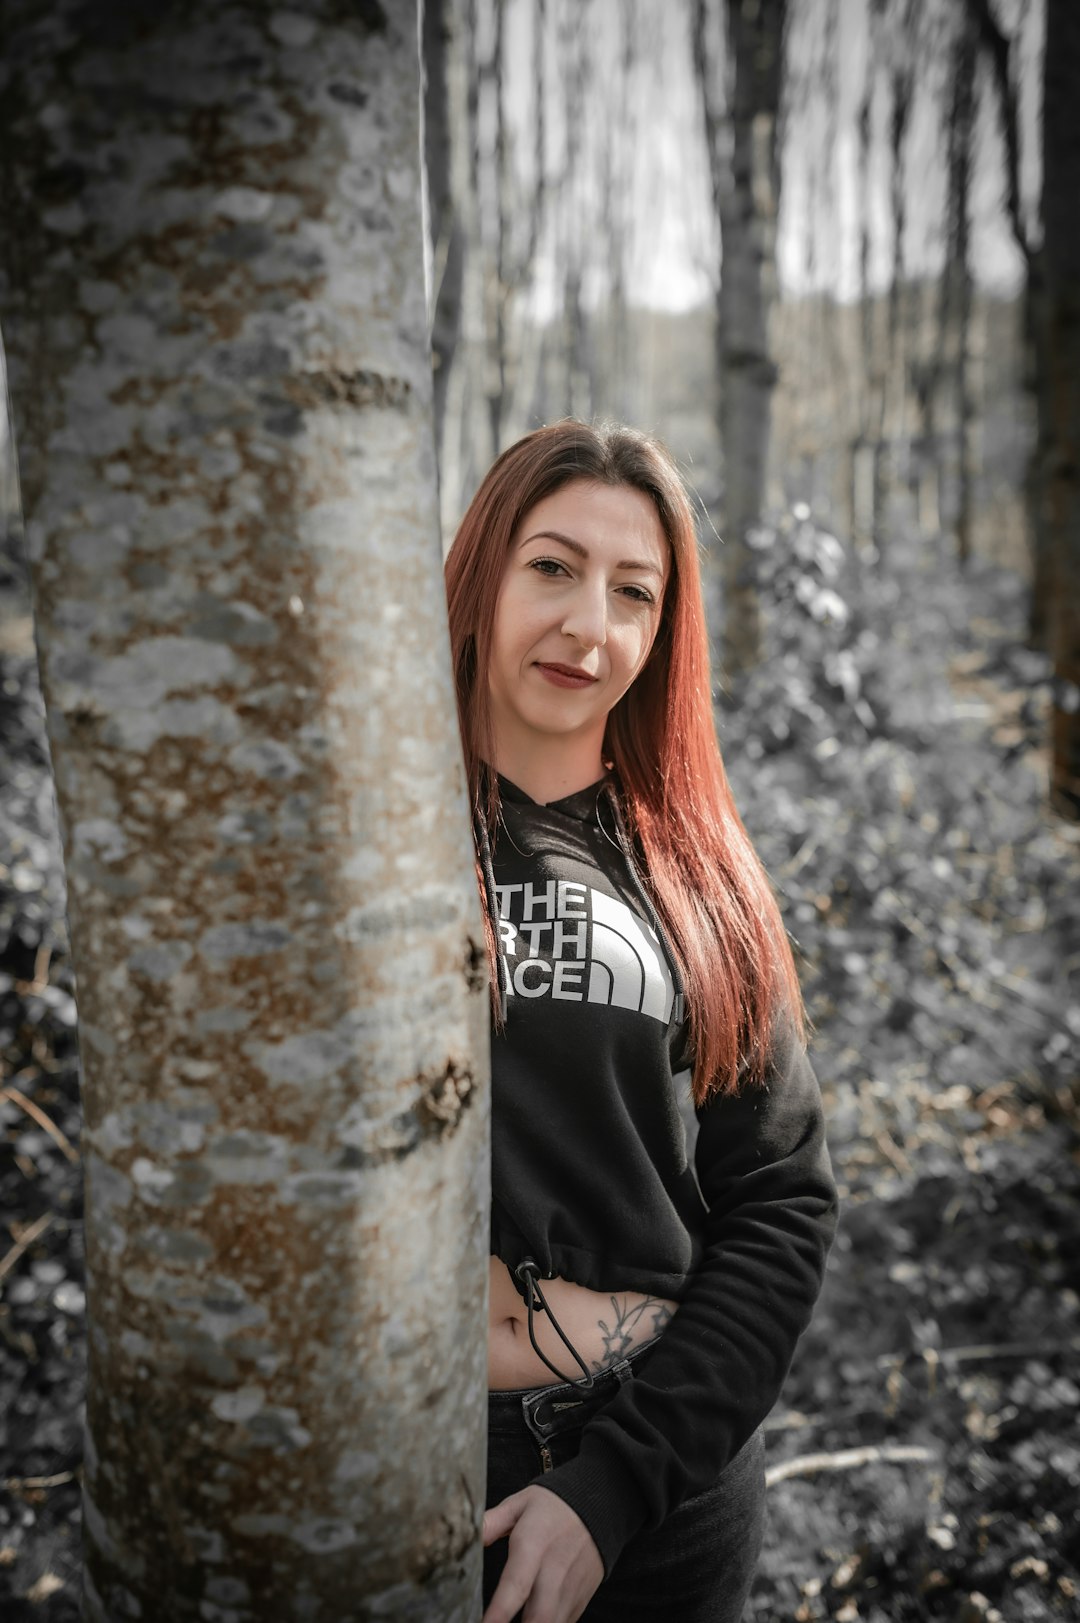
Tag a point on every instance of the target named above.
point(211, 292)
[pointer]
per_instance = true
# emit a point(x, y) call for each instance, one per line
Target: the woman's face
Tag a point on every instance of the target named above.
point(577, 612)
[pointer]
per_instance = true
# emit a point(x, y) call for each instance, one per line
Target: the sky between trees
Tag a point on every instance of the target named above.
point(650, 122)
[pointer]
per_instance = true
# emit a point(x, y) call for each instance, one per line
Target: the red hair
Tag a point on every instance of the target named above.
point(708, 885)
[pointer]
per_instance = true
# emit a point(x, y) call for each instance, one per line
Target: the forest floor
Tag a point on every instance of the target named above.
point(889, 760)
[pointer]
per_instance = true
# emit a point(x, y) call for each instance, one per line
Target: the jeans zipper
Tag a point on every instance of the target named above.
point(545, 1457)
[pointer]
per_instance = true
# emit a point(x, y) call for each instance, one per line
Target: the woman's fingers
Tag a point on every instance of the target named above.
point(513, 1590)
point(552, 1566)
point(501, 1517)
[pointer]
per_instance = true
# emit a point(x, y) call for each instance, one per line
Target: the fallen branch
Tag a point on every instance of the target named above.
point(933, 1358)
point(14, 1483)
point(846, 1459)
point(26, 1239)
point(892, 1152)
point(1037, 996)
point(42, 960)
point(979, 1353)
point(965, 978)
point(38, 1115)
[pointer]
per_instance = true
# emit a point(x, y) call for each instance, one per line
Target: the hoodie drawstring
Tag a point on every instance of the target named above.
point(527, 1274)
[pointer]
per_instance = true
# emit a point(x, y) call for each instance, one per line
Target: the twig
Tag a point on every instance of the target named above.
point(14, 1483)
point(42, 960)
point(964, 978)
point(27, 1239)
point(802, 855)
point(933, 1357)
point(42, 1120)
point(989, 1350)
point(846, 1459)
point(793, 1420)
point(1037, 996)
point(892, 1152)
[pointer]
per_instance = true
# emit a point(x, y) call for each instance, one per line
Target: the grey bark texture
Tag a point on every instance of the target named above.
point(211, 292)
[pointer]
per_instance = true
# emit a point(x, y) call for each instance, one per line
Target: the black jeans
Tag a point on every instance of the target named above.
point(697, 1566)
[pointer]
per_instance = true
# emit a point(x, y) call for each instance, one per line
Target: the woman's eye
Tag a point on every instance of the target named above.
point(554, 569)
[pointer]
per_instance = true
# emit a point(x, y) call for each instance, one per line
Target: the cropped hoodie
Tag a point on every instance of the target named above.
point(606, 1174)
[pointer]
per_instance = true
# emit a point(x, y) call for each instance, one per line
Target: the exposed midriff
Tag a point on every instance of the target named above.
point(603, 1325)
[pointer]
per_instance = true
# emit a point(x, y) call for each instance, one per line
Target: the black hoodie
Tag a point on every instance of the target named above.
point(596, 1177)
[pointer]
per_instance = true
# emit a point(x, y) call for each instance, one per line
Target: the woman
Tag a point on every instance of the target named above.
point(632, 934)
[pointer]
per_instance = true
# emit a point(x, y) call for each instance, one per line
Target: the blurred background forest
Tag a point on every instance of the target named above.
point(811, 245)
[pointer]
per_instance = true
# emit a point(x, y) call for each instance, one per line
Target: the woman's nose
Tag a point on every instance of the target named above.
point(586, 617)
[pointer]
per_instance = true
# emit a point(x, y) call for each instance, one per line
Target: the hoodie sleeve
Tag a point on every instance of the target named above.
point(718, 1368)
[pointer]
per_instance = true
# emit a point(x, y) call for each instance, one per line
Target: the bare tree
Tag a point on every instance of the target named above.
point(1060, 387)
point(740, 133)
point(1051, 319)
point(579, 374)
point(619, 126)
point(466, 445)
point(890, 448)
point(213, 304)
point(440, 22)
point(956, 296)
point(500, 186)
point(864, 485)
point(998, 51)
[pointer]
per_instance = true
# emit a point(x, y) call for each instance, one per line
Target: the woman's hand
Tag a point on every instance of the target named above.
point(553, 1568)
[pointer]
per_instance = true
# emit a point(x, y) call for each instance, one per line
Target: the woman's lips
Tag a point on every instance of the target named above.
point(564, 676)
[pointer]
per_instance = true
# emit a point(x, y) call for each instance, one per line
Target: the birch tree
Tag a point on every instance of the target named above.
point(212, 297)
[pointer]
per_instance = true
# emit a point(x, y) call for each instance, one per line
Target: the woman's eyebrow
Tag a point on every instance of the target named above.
point(583, 551)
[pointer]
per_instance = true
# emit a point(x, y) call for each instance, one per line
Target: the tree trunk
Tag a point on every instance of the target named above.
point(1060, 388)
point(579, 386)
point(747, 290)
point(499, 204)
point(1033, 328)
point(742, 153)
point(997, 48)
point(465, 446)
point(957, 297)
point(863, 485)
point(890, 450)
point(446, 234)
point(212, 298)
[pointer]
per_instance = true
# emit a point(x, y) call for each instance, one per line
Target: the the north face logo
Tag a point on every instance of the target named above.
point(570, 942)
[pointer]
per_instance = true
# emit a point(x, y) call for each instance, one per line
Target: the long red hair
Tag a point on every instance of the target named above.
point(705, 879)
